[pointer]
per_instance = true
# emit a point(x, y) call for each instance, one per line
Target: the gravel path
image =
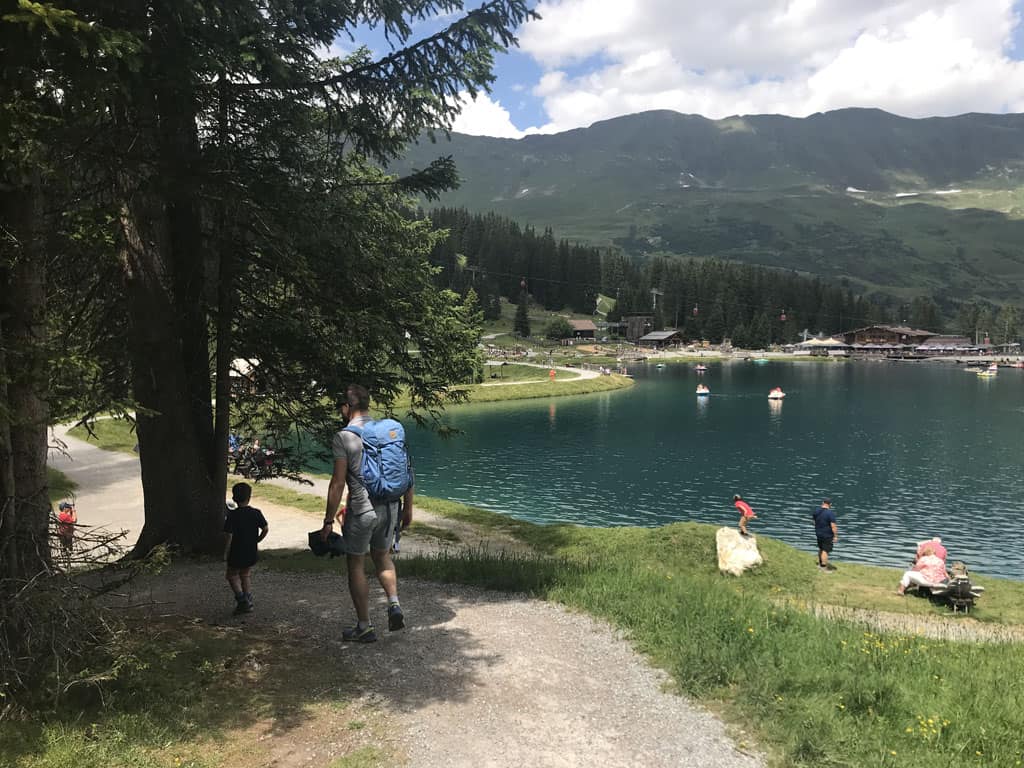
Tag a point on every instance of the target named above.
point(476, 679)
point(480, 678)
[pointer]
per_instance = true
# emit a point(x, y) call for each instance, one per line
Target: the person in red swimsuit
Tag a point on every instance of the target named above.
point(746, 513)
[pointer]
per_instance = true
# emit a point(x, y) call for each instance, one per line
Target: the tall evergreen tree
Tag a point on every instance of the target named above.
point(521, 324)
point(218, 156)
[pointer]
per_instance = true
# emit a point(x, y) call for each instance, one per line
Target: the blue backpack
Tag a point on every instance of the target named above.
point(387, 470)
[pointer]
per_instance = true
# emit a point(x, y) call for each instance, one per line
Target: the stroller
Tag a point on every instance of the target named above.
point(958, 593)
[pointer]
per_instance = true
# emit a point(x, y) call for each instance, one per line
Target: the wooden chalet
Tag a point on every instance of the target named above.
point(583, 329)
point(637, 326)
point(660, 339)
point(887, 340)
point(940, 346)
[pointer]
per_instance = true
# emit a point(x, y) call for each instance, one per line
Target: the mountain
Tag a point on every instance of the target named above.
point(903, 206)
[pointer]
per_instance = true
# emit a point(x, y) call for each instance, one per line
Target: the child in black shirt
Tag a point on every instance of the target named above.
point(245, 527)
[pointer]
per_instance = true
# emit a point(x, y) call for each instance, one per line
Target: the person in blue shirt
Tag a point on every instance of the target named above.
point(825, 530)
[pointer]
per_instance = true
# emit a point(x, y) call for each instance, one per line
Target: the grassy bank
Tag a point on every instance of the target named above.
point(814, 691)
point(60, 486)
point(189, 696)
point(558, 388)
point(497, 373)
point(108, 434)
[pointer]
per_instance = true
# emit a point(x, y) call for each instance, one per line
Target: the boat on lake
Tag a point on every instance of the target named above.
point(702, 391)
point(992, 370)
point(700, 368)
point(776, 394)
point(760, 360)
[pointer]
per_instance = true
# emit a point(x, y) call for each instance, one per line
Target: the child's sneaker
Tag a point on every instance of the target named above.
point(396, 619)
point(242, 606)
point(357, 635)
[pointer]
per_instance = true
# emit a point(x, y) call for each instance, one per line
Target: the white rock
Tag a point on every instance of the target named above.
point(736, 553)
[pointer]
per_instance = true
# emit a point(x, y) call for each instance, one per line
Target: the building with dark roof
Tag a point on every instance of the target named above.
point(583, 329)
point(659, 339)
point(887, 340)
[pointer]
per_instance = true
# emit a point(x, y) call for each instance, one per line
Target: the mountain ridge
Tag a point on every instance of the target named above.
point(856, 194)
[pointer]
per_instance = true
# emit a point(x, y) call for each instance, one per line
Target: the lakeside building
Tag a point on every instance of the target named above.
point(938, 346)
point(661, 339)
point(242, 377)
point(583, 329)
point(829, 346)
point(637, 326)
point(887, 340)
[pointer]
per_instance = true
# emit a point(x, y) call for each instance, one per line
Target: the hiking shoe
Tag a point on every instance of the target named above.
point(830, 567)
point(242, 607)
point(357, 635)
point(396, 619)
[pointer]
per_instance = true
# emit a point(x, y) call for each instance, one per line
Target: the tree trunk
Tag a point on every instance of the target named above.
point(166, 283)
point(24, 414)
point(225, 317)
point(181, 503)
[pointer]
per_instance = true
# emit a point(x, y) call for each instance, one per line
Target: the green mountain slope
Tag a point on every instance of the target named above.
point(899, 205)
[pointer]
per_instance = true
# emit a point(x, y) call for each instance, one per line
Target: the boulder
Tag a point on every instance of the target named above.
point(736, 553)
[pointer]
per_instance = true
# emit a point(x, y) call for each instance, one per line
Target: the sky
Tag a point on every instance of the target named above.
point(589, 60)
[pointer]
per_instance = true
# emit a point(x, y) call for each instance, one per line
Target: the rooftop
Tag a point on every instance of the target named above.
point(659, 335)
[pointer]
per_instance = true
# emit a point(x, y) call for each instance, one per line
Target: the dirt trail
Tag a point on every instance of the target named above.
point(477, 678)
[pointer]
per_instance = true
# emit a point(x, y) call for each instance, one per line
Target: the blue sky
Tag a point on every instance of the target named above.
point(589, 60)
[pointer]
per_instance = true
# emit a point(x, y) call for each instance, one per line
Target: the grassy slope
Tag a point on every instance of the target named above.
point(815, 692)
point(539, 318)
point(60, 486)
point(521, 373)
point(558, 388)
point(189, 696)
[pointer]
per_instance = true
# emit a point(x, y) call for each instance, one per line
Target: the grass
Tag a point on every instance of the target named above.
point(109, 434)
point(60, 485)
point(189, 696)
point(813, 691)
point(517, 372)
point(557, 388)
point(539, 319)
point(313, 505)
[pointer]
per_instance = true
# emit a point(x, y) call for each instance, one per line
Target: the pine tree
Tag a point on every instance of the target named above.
point(521, 325)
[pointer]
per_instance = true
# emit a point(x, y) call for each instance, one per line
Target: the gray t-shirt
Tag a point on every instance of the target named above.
point(350, 447)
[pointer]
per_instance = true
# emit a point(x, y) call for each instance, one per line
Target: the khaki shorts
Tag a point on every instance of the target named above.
point(370, 530)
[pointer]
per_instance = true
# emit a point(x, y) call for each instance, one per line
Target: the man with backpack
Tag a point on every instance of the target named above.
point(372, 461)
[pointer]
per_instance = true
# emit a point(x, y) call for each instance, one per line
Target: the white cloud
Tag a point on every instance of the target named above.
point(484, 116)
point(914, 57)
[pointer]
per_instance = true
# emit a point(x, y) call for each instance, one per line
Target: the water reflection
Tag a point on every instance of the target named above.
point(702, 407)
point(551, 415)
point(775, 413)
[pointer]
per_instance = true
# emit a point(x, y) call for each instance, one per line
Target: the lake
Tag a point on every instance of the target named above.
point(905, 451)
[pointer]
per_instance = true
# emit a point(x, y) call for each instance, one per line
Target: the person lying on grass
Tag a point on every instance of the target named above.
point(928, 571)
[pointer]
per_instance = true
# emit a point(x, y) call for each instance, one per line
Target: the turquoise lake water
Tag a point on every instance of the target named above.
point(906, 451)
